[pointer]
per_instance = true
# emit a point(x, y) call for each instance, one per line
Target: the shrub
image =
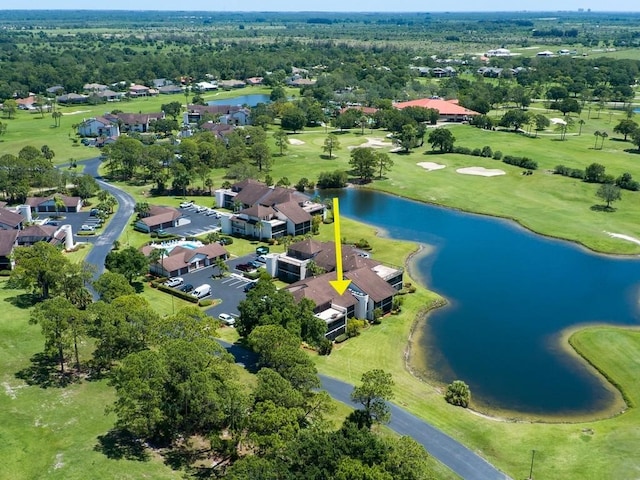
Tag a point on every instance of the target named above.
point(522, 162)
point(336, 179)
point(226, 240)
point(341, 338)
point(497, 155)
point(458, 393)
point(206, 302)
point(325, 347)
point(476, 152)
point(354, 326)
point(363, 244)
point(462, 150)
point(626, 181)
point(177, 293)
point(486, 151)
point(377, 316)
point(569, 172)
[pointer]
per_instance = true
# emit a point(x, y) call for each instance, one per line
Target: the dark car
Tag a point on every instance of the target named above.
point(249, 286)
point(255, 264)
point(244, 267)
point(186, 288)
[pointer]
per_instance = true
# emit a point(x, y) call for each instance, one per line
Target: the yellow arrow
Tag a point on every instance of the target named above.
point(339, 284)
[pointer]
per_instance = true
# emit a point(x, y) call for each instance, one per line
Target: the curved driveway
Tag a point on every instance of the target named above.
point(450, 452)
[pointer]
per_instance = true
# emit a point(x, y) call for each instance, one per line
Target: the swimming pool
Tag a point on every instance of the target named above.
point(171, 244)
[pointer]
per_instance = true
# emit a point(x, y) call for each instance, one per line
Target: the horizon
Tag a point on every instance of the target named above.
point(338, 6)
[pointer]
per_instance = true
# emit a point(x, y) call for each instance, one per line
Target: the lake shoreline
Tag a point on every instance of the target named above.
point(611, 254)
point(424, 374)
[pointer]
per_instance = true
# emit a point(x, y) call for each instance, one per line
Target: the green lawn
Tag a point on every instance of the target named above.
point(52, 432)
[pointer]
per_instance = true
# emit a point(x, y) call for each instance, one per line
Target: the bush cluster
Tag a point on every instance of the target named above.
point(177, 293)
point(522, 162)
point(336, 179)
point(487, 152)
point(569, 172)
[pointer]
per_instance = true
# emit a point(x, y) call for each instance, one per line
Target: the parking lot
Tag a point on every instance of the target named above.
point(229, 289)
point(200, 223)
point(76, 220)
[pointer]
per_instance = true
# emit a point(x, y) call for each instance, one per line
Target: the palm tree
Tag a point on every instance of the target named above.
point(603, 135)
point(597, 134)
point(581, 122)
point(158, 254)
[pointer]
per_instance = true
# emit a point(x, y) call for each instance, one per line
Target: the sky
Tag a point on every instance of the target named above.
point(332, 5)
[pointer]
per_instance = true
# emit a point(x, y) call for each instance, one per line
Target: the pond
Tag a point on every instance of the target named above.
point(510, 295)
point(251, 100)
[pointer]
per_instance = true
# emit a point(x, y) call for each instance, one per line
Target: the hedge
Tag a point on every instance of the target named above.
point(177, 293)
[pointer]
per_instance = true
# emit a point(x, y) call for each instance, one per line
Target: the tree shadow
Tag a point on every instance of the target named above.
point(43, 372)
point(23, 300)
point(324, 156)
point(602, 208)
point(634, 151)
point(120, 444)
point(184, 456)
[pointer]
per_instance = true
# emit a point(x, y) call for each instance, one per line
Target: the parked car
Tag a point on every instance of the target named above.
point(245, 267)
point(261, 259)
point(174, 282)
point(202, 291)
point(227, 319)
point(186, 204)
point(211, 213)
point(93, 212)
point(249, 286)
point(262, 250)
point(87, 228)
point(200, 208)
point(186, 288)
point(256, 264)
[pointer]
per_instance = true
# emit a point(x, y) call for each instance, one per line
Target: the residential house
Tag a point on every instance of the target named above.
point(169, 89)
point(158, 218)
point(98, 127)
point(181, 260)
point(48, 204)
point(261, 211)
point(94, 87)
point(229, 84)
point(110, 96)
point(499, 52)
point(138, 90)
point(220, 130)
point(255, 81)
point(161, 82)
point(545, 54)
point(227, 114)
point(26, 103)
point(373, 285)
point(72, 98)
point(360, 108)
point(41, 233)
point(134, 122)
point(449, 110)
point(206, 86)
point(55, 89)
point(8, 241)
point(10, 220)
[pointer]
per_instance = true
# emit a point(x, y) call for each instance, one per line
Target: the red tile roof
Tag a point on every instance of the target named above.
point(445, 107)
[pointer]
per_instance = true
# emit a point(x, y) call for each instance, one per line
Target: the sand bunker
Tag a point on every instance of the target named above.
point(481, 171)
point(295, 141)
point(431, 166)
point(623, 237)
point(373, 143)
point(76, 112)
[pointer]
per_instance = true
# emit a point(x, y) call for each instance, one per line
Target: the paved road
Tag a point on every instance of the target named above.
point(103, 244)
point(451, 453)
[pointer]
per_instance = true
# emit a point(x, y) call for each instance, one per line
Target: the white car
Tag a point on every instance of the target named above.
point(227, 319)
point(186, 204)
point(174, 282)
point(200, 209)
point(87, 228)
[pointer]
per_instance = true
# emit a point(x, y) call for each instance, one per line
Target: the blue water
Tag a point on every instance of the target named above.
point(251, 100)
point(511, 293)
point(637, 110)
